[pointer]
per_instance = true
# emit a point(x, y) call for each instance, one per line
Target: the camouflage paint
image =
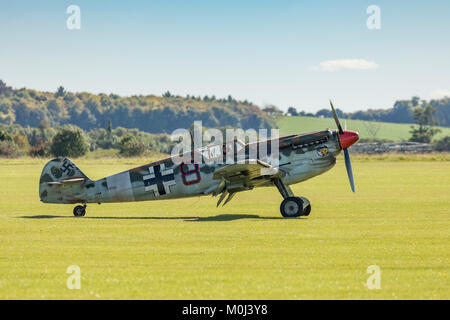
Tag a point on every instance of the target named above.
point(301, 157)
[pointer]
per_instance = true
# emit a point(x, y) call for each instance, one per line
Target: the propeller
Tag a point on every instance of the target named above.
point(336, 119)
point(346, 139)
point(348, 166)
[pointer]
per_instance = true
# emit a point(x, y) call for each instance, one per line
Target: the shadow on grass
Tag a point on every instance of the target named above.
point(220, 217)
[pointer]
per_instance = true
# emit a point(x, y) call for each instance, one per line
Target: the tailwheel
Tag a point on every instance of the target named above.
point(291, 207)
point(79, 211)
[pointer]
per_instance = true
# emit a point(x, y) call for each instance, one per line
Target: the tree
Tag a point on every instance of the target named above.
point(109, 128)
point(272, 110)
point(415, 101)
point(5, 136)
point(105, 138)
point(69, 142)
point(372, 129)
point(60, 92)
point(9, 149)
point(21, 142)
point(443, 145)
point(403, 111)
point(292, 111)
point(45, 133)
point(131, 146)
point(12, 146)
point(423, 117)
point(4, 89)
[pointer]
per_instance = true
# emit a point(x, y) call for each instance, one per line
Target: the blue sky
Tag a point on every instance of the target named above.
point(269, 52)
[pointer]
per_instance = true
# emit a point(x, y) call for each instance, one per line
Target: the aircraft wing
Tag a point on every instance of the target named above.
point(246, 171)
point(242, 176)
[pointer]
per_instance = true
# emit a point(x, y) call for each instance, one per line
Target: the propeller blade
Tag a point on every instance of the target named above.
point(348, 166)
point(336, 118)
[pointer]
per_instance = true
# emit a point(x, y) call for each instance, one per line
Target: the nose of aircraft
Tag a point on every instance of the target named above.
point(348, 138)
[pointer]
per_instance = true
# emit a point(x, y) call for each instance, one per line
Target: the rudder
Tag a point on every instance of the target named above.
point(62, 181)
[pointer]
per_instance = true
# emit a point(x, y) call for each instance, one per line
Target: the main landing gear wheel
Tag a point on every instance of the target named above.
point(79, 211)
point(292, 207)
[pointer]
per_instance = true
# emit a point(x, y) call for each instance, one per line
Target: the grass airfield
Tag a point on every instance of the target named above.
point(399, 219)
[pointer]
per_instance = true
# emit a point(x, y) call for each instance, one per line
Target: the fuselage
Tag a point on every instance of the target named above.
point(300, 157)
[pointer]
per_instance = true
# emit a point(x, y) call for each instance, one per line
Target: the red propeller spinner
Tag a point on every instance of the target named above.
point(348, 138)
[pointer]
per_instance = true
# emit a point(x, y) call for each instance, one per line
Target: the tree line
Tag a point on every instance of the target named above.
point(72, 141)
point(423, 115)
point(149, 113)
point(403, 111)
point(70, 124)
point(163, 114)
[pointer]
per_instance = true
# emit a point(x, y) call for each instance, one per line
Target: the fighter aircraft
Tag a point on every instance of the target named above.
point(301, 157)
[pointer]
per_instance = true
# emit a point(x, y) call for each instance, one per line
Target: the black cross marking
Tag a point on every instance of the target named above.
point(159, 180)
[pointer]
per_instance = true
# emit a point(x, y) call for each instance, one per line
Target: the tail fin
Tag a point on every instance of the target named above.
point(62, 182)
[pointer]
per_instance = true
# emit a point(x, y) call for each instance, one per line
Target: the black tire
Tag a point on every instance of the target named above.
point(307, 210)
point(79, 211)
point(291, 207)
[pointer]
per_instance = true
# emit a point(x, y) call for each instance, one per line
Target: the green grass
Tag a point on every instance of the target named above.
point(389, 131)
point(399, 219)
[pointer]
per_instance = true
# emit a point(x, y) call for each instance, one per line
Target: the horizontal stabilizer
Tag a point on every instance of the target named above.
point(68, 181)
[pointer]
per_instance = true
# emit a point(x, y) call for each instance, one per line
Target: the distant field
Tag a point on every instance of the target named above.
point(114, 154)
point(391, 131)
point(399, 219)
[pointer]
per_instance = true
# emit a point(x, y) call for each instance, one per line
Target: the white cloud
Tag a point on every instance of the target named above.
point(439, 94)
point(345, 64)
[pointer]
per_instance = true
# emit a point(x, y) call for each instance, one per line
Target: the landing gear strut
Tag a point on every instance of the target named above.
point(79, 211)
point(292, 206)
